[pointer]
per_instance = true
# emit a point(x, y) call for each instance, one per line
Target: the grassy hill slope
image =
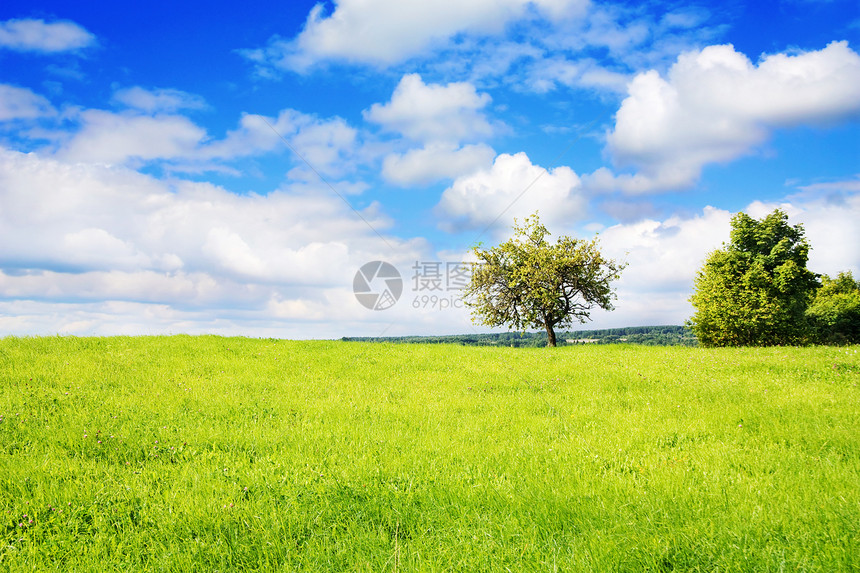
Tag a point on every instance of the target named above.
point(205, 453)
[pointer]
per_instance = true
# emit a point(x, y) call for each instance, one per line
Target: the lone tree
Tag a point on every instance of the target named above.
point(527, 282)
point(755, 290)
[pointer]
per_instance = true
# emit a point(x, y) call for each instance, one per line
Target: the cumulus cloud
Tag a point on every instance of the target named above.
point(440, 117)
point(435, 162)
point(79, 217)
point(107, 137)
point(512, 188)
point(97, 249)
point(327, 145)
point(31, 35)
point(715, 106)
point(384, 32)
point(21, 103)
point(433, 112)
point(664, 255)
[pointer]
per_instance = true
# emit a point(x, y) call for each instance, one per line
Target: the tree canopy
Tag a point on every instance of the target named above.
point(755, 290)
point(834, 314)
point(528, 282)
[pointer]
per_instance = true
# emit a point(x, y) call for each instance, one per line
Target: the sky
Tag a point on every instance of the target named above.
point(245, 169)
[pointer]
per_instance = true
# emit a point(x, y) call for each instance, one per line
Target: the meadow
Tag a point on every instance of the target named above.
point(224, 454)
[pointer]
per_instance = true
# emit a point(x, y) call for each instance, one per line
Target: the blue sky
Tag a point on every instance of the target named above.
point(228, 168)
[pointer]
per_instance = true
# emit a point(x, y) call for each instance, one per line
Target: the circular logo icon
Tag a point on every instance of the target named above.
point(377, 285)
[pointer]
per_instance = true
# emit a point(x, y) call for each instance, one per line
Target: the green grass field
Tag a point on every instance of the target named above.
point(207, 453)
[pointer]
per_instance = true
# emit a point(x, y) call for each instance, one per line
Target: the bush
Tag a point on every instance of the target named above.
point(834, 314)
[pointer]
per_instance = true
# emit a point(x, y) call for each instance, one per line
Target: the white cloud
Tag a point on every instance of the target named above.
point(831, 186)
point(628, 40)
point(440, 117)
point(715, 106)
point(322, 313)
point(545, 74)
point(192, 289)
point(83, 217)
point(115, 138)
point(255, 133)
point(384, 32)
point(625, 210)
point(660, 178)
point(120, 317)
point(29, 35)
point(512, 188)
point(328, 145)
point(21, 103)
point(163, 100)
point(107, 250)
point(605, 29)
point(488, 62)
point(435, 162)
point(664, 255)
point(92, 247)
point(449, 113)
point(685, 18)
point(133, 137)
point(489, 39)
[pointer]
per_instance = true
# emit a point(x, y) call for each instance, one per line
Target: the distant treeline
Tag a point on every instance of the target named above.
point(647, 335)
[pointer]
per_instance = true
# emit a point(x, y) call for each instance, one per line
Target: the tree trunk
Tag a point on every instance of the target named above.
point(550, 334)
